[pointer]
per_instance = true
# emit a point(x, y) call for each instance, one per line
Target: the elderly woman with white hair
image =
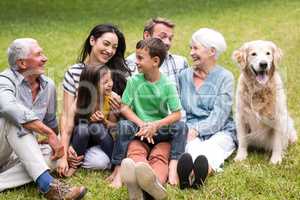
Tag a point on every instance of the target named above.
point(206, 92)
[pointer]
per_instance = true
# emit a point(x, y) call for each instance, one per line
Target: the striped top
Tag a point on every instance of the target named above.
point(71, 79)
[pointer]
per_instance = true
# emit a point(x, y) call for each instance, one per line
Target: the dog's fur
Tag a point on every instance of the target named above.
point(261, 116)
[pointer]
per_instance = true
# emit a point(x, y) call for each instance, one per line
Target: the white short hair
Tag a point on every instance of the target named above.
point(19, 49)
point(210, 38)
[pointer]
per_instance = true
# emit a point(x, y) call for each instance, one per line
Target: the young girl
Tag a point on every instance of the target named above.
point(93, 116)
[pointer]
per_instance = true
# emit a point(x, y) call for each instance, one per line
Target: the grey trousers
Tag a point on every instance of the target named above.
point(22, 159)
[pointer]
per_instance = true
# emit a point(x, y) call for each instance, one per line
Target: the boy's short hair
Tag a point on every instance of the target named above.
point(149, 26)
point(155, 47)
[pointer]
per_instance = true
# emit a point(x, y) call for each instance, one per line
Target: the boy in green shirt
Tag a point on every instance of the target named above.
point(152, 133)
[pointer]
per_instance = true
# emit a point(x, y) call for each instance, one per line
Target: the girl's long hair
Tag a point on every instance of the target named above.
point(88, 96)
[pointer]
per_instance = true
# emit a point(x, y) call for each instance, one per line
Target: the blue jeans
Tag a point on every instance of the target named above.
point(176, 134)
point(86, 135)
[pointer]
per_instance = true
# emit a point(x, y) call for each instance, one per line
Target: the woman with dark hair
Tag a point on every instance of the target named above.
point(105, 45)
point(115, 60)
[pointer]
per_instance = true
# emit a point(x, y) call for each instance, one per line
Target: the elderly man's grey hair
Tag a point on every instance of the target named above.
point(210, 38)
point(19, 49)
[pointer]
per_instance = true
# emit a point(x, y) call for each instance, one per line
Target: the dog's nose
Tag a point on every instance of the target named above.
point(263, 65)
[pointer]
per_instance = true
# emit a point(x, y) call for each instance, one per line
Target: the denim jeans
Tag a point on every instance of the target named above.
point(86, 135)
point(176, 134)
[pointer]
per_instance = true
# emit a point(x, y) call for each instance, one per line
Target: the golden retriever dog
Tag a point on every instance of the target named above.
point(262, 118)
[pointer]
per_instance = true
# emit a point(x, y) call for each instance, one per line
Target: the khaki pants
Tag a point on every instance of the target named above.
point(22, 159)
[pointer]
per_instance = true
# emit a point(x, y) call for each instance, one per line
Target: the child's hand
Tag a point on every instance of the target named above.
point(150, 140)
point(148, 131)
point(97, 117)
point(73, 159)
point(115, 101)
point(151, 129)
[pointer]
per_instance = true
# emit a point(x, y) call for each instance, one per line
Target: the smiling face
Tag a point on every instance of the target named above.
point(200, 55)
point(144, 61)
point(106, 84)
point(258, 59)
point(34, 64)
point(162, 32)
point(103, 48)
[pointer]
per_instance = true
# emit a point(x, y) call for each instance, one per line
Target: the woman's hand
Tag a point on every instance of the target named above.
point(62, 166)
point(97, 117)
point(192, 134)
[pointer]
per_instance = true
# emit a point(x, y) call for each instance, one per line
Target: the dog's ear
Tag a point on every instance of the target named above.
point(277, 54)
point(239, 56)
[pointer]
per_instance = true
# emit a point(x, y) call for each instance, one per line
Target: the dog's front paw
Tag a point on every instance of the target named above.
point(241, 155)
point(276, 159)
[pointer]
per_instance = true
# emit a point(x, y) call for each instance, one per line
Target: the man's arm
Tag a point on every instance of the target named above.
point(10, 108)
point(39, 127)
point(14, 111)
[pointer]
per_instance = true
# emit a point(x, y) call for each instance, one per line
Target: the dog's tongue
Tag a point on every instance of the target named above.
point(262, 78)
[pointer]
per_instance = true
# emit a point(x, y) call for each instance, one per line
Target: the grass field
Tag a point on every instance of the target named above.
point(61, 26)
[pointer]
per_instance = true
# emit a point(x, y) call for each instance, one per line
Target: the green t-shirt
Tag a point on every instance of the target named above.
point(151, 101)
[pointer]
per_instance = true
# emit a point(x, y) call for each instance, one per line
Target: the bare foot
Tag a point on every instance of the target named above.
point(112, 176)
point(70, 172)
point(116, 182)
point(173, 176)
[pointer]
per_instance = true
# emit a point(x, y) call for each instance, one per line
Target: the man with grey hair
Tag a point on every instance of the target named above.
point(28, 108)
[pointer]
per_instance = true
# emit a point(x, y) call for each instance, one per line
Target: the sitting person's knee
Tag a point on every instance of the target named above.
point(180, 130)
point(81, 130)
point(124, 128)
point(97, 129)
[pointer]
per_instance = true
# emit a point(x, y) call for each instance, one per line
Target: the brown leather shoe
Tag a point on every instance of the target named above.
point(61, 191)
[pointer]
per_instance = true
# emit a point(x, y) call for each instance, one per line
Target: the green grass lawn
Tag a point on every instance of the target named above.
point(61, 27)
